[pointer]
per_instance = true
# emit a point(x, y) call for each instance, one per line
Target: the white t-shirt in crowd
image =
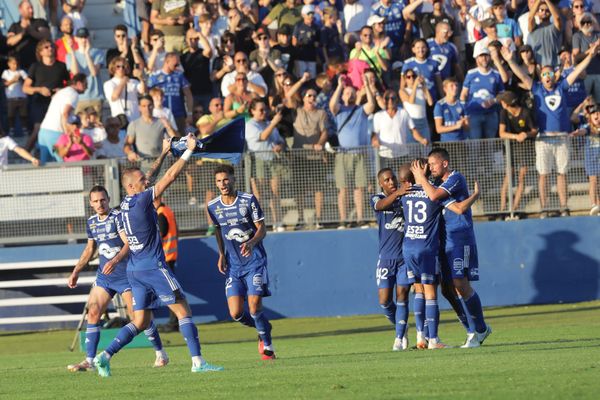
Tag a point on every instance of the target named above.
point(393, 132)
point(97, 133)
point(64, 97)
point(6, 144)
point(229, 79)
point(356, 15)
point(166, 113)
point(112, 150)
point(15, 90)
point(118, 106)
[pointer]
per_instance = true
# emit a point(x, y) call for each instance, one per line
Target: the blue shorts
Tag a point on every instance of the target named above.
point(113, 286)
point(153, 288)
point(248, 283)
point(390, 273)
point(422, 267)
point(592, 159)
point(460, 261)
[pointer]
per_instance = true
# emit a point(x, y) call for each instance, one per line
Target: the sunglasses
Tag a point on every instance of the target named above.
point(586, 22)
point(409, 76)
point(119, 66)
point(262, 38)
point(120, 36)
point(280, 74)
point(547, 74)
point(577, 5)
point(386, 98)
point(543, 10)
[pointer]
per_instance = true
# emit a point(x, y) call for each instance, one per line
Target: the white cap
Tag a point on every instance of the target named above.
point(480, 49)
point(374, 19)
point(308, 8)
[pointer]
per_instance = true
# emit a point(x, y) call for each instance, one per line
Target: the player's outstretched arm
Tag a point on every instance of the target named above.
point(84, 259)
point(173, 172)
point(261, 232)
point(222, 263)
point(152, 173)
point(434, 193)
point(387, 202)
point(462, 206)
point(109, 267)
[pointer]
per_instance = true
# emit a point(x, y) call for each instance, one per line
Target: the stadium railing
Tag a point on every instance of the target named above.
point(49, 204)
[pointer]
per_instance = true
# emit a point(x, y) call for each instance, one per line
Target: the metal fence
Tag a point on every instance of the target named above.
point(304, 188)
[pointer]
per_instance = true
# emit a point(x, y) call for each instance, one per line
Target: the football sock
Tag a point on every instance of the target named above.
point(432, 314)
point(419, 311)
point(245, 319)
point(125, 335)
point(473, 304)
point(153, 336)
point(92, 337)
point(468, 323)
point(263, 327)
point(459, 309)
point(190, 333)
point(401, 318)
point(389, 310)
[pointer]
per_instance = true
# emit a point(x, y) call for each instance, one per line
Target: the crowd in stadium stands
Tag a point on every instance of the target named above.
point(306, 74)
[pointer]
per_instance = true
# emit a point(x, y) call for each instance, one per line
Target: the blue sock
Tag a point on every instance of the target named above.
point(419, 311)
point(473, 304)
point(263, 327)
point(92, 337)
point(125, 335)
point(190, 333)
point(389, 310)
point(432, 314)
point(401, 318)
point(468, 322)
point(153, 336)
point(245, 319)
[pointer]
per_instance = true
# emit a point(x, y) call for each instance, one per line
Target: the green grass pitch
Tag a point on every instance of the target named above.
point(536, 352)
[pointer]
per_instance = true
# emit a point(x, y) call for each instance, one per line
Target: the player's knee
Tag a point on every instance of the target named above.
point(448, 290)
point(93, 312)
point(236, 315)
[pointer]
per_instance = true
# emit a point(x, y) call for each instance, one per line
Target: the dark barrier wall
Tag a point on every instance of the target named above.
point(328, 273)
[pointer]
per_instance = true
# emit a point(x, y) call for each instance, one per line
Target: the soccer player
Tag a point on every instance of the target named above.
point(111, 278)
point(151, 281)
point(422, 242)
point(459, 261)
point(391, 270)
point(240, 229)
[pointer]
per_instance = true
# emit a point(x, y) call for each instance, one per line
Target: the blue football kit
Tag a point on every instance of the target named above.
point(450, 115)
point(445, 54)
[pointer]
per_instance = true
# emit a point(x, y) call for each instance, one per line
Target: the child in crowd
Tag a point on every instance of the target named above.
point(13, 79)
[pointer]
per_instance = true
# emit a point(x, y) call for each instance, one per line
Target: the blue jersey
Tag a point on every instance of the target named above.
point(457, 189)
point(450, 115)
point(551, 106)
point(576, 92)
point(482, 87)
point(237, 222)
point(445, 54)
point(508, 29)
point(140, 224)
point(429, 69)
point(395, 26)
point(105, 232)
point(391, 229)
point(422, 221)
point(172, 85)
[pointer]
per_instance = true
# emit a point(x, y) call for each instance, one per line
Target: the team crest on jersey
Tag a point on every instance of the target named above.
point(553, 102)
point(257, 280)
point(219, 212)
point(243, 211)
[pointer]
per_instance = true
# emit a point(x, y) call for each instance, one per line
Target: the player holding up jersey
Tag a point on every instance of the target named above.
point(111, 278)
point(422, 242)
point(151, 281)
point(242, 258)
point(459, 256)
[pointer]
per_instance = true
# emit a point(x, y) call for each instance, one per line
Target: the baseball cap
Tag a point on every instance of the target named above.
point(374, 19)
point(592, 108)
point(73, 120)
point(307, 9)
point(82, 33)
point(480, 50)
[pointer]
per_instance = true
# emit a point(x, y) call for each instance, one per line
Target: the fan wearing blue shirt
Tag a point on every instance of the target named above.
point(423, 64)
point(450, 114)
point(445, 52)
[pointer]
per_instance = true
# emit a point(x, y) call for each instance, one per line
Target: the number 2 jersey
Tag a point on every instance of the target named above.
point(422, 221)
point(105, 232)
point(237, 222)
point(140, 224)
point(391, 229)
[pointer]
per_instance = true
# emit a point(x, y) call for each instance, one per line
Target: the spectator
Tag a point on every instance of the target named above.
point(573, 21)
point(545, 37)
point(73, 9)
point(445, 52)
point(196, 66)
point(506, 27)
point(552, 145)
point(62, 106)
point(356, 13)
point(429, 20)
point(125, 49)
point(284, 13)
point(172, 18)
point(87, 60)
point(66, 44)
point(122, 92)
point(391, 128)
point(523, 21)
point(284, 46)
point(482, 85)
point(305, 39)
point(423, 65)
point(265, 144)
point(380, 37)
point(143, 9)
point(450, 114)
point(236, 104)
point(518, 126)
point(582, 41)
point(310, 134)
point(91, 126)
point(330, 36)
point(24, 35)
point(73, 145)
point(256, 83)
point(286, 97)
point(157, 55)
point(491, 35)
point(13, 79)
point(160, 112)
point(175, 88)
point(223, 63)
point(8, 144)
point(352, 123)
point(415, 98)
point(205, 23)
point(112, 146)
point(395, 15)
point(591, 131)
point(264, 59)
point(145, 134)
point(577, 92)
point(527, 61)
point(367, 51)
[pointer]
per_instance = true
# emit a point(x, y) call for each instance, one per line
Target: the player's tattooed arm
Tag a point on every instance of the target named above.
point(261, 232)
point(222, 263)
point(84, 259)
point(462, 206)
point(109, 267)
point(152, 173)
